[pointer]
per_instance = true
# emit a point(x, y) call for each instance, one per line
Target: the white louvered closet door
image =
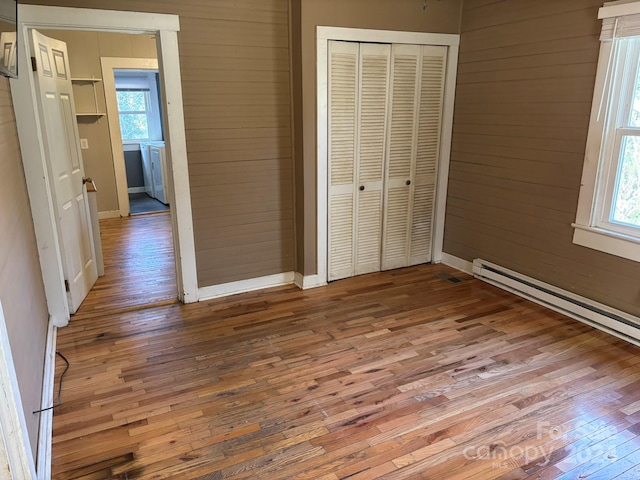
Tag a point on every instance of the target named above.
point(343, 114)
point(358, 92)
point(401, 153)
point(433, 64)
point(417, 74)
point(372, 114)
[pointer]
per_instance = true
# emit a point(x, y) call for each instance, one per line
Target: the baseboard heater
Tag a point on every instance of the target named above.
point(598, 315)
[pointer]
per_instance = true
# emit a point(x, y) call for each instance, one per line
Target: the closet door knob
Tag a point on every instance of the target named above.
point(361, 188)
point(408, 182)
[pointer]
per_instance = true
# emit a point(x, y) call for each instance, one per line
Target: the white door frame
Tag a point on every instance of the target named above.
point(25, 106)
point(323, 36)
point(15, 451)
point(109, 84)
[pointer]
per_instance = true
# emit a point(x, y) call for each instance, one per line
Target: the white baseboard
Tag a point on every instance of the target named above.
point(109, 214)
point(457, 263)
point(45, 435)
point(305, 282)
point(585, 310)
point(136, 189)
point(242, 286)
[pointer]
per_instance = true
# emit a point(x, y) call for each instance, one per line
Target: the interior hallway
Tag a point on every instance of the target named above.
point(138, 265)
point(401, 374)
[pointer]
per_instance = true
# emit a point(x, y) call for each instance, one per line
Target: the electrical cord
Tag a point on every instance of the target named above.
point(58, 403)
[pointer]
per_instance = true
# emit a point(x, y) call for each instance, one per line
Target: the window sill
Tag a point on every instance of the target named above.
point(614, 243)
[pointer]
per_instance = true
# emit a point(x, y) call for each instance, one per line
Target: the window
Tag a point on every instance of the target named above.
point(133, 106)
point(608, 217)
point(138, 106)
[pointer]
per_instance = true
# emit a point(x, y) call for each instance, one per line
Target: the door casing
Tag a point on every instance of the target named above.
point(165, 27)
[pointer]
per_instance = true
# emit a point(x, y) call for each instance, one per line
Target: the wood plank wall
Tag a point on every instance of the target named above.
point(21, 288)
point(235, 80)
point(525, 86)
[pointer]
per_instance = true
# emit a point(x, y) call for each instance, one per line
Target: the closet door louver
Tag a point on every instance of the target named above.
point(417, 94)
point(358, 90)
point(401, 148)
point(373, 93)
point(343, 104)
point(433, 64)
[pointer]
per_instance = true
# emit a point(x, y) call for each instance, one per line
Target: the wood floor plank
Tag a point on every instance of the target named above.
point(400, 374)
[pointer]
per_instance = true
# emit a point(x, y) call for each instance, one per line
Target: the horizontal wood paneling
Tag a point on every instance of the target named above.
point(21, 288)
point(527, 71)
point(235, 66)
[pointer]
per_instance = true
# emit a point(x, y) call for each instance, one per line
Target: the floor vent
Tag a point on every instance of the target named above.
point(449, 278)
point(598, 315)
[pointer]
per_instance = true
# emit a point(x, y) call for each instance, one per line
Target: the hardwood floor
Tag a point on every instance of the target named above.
point(138, 264)
point(402, 374)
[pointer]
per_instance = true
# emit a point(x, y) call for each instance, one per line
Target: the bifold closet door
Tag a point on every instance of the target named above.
point(413, 144)
point(358, 98)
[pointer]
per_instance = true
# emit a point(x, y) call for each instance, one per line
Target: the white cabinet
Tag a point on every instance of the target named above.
point(385, 108)
point(146, 169)
point(159, 173)
point(154, 169)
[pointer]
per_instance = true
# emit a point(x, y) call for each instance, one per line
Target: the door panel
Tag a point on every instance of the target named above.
point(372, 112)
point(433, 69)
point(400, 155)
point(343, 83)
point(64, 163)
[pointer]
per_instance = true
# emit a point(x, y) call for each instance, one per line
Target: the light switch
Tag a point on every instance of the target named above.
point(84, 144)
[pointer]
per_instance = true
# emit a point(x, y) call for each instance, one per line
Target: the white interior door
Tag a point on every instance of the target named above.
point(417, 95)
point(401, 154)
point(370, 149)
point(64, 163)
point(425, 172)
point(343, 108)
point(358, 91)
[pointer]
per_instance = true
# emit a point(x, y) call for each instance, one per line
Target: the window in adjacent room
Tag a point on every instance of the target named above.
point(608, 217)
point(138, 106)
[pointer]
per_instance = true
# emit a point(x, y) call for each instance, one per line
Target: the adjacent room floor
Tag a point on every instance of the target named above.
point(401, 374)
point(143, 203)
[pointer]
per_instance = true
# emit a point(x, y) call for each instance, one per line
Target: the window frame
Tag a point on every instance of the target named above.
point(152, 99)
point(593, 227)
point(147, 112)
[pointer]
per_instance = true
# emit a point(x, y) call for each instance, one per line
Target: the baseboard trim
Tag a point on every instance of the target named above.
point(45, 436)
point(305, 282)
point(457, 263)
point(136, 190)
point(243, 286)
point(603, 317)
point(109, 214)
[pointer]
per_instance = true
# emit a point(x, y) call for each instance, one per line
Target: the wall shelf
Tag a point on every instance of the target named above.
point(81, 82)
point(85, 80)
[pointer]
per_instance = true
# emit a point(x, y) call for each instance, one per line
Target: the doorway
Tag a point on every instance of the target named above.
point(165, 28)
point(134, 111)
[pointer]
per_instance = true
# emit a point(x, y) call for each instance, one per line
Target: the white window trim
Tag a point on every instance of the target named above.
point(154, 118)
point(590, 228)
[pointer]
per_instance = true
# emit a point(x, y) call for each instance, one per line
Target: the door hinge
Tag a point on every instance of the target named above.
point(34, 65)
point(66, 285)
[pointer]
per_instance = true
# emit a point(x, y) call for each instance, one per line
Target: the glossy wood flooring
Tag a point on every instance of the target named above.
point(396, 375)
point(138, 264)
